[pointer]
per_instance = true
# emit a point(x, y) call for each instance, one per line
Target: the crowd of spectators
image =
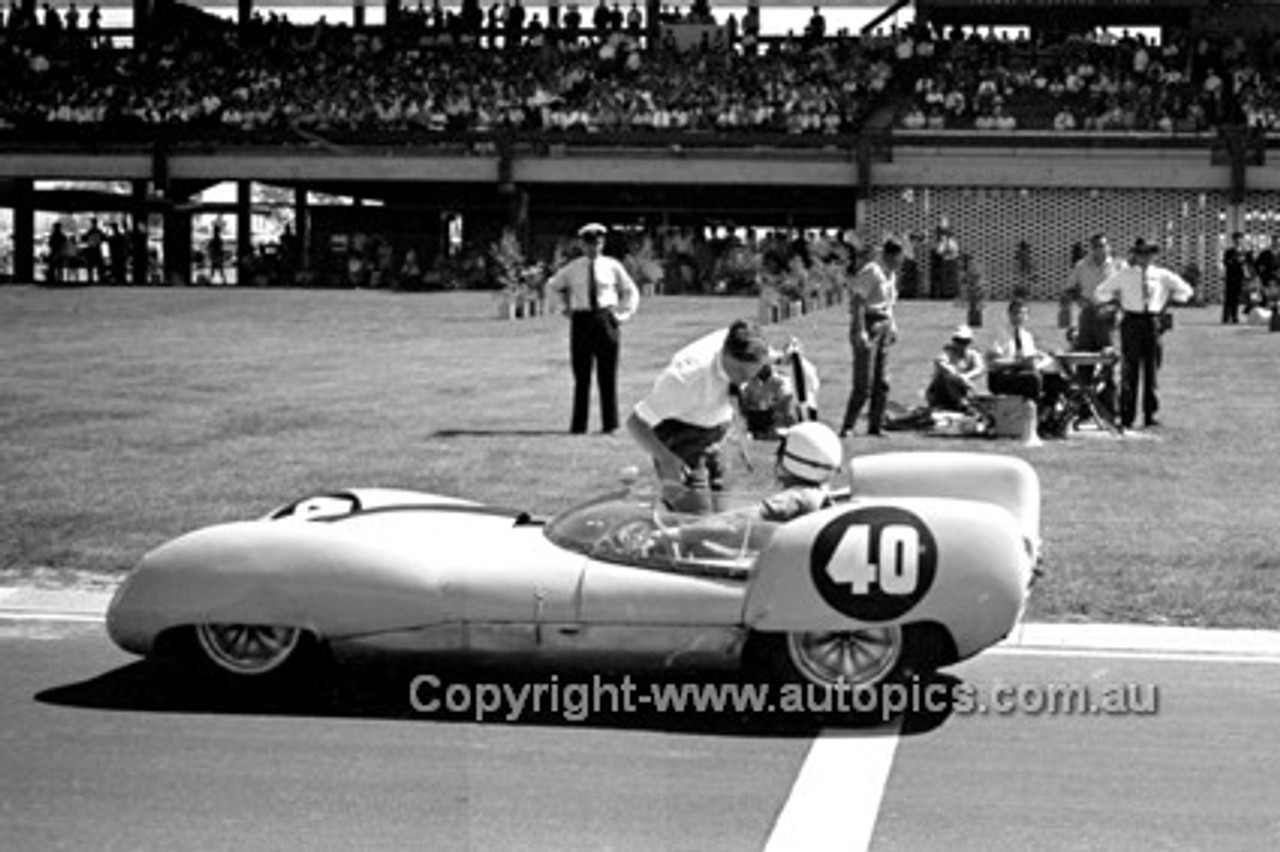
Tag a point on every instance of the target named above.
point(437, 71)
point(1091, 82)
point(276, 81)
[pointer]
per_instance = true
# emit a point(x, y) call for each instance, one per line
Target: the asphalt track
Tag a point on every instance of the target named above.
point(98, 751)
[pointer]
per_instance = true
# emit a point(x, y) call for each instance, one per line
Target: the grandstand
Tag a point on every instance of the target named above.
point(446, 128)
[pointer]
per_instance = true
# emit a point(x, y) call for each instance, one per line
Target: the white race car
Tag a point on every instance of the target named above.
point(927, 560)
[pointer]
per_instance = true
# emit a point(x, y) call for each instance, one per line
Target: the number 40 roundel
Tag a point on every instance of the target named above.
point(874, 564)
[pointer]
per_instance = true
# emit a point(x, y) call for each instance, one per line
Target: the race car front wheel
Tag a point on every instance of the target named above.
point(246, 656)
point(248, 650)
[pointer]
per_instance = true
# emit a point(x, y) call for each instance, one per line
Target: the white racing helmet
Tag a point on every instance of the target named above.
point(811, 451)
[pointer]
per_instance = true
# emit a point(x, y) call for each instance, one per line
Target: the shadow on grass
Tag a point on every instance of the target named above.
point(398, 691)
point(497, 433)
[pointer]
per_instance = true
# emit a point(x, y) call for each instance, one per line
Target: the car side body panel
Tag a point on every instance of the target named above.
point(382, 571)
point(958, 563)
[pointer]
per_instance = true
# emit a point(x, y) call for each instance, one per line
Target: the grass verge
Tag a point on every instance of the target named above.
point(129, 416)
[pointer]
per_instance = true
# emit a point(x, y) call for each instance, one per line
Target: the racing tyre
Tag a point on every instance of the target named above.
point(856, 659)
point(252, 657)
point(860, 661)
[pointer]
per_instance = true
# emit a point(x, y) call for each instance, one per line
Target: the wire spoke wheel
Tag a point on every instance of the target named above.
point(846, 658)
point(248, 649)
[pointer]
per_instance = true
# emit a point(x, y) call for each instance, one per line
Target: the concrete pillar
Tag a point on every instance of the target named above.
point(301, 230)
point(24, 231)
point(244, 228)
point(139, 233)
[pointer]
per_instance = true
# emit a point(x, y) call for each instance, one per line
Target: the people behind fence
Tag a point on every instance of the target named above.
point(873, 293)
point(1143, 293)
point(1016, 366)
point(956, 372)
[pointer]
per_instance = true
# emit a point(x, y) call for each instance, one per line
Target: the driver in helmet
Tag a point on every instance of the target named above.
point(809, 458)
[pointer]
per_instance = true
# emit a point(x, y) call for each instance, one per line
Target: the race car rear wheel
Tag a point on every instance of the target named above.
point(846, 659)
point(249, 650)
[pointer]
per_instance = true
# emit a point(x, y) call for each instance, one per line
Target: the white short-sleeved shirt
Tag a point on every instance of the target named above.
point(693, 388)
point(614, 288)
point(1140, 292)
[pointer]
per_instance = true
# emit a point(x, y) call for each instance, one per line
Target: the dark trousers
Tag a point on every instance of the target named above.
point(701, 448)
point(1231, 294)
point(1043, 387)
point(870, 378)
point(594, 341)
point(1140, 355)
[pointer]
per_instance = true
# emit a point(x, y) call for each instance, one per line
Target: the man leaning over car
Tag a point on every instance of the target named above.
point(684, 420)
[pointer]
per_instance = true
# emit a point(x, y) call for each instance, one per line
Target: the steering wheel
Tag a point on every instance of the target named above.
point(643, 538)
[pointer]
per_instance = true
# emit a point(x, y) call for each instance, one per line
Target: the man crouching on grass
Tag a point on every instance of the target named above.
point(683, 422)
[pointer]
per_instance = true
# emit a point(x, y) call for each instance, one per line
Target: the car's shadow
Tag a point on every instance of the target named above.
point(393, 689)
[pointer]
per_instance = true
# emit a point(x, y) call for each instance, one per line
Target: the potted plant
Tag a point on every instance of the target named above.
point(507, 258)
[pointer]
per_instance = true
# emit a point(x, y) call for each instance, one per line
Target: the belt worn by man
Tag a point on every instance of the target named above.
point(1143, 292)
point(598, 295)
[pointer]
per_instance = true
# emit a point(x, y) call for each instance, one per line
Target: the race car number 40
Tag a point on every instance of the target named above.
point(874, 564)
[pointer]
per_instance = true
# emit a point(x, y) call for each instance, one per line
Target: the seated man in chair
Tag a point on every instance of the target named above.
point(1016, 367)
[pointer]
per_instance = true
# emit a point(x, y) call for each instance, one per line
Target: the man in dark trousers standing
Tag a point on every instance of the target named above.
point(1237, 265)
point(598, 296)
point(1144, 292)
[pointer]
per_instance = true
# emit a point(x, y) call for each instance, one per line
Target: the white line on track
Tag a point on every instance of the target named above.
point(18, 614)
point(1122, 654)
point(835, 799)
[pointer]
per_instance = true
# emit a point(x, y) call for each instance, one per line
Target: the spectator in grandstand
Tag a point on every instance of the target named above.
point(598, 295)
point(873, 294)
point(1143, 292)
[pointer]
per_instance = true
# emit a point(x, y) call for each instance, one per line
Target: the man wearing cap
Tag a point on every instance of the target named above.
point(598, 296)
point(1143, 292)
point(956, 372)
point(684, 420)
point(872, 330)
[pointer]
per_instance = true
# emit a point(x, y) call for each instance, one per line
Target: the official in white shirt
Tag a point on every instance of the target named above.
point(1144, 292)
point(598, 296)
